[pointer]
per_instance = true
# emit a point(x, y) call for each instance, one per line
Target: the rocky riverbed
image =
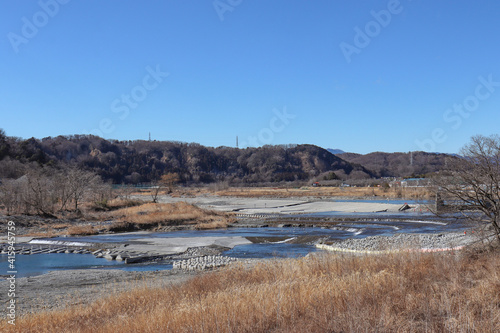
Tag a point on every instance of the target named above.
point(60, 289)
point(402, 241)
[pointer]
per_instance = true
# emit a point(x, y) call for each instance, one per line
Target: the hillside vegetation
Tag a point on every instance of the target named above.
point(134, 162)
point(399, 164)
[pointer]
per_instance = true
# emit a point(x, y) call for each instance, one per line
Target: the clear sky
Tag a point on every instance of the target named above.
point(361, 76)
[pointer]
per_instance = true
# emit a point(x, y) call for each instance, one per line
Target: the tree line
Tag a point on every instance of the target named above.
point(134, 162)
point(47, 190)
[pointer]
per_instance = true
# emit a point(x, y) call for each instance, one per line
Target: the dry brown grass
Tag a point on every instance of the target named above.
point(64, 229)
point(118, 203)
point(354, 192)
point(81, 230)
point(48, 228)
point(46, 233)
point(59, 226)
point(327, 293)
point(308, 191)
point(171, 214)
point(220, 224)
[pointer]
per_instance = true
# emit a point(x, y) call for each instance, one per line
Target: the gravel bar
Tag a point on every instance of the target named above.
point(442, 241)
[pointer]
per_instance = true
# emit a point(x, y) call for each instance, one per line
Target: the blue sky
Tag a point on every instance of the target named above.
point(361, 76)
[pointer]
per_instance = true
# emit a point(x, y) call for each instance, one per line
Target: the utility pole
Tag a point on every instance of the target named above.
point(236, 141)
point(149, 136)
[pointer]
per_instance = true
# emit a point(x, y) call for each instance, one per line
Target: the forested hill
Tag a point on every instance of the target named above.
point(399, 164)
point(144, 161)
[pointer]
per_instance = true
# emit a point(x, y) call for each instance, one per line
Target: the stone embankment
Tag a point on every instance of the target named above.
point(129, 257)
point(404, 242)
point(197, 258)
point(203, 263)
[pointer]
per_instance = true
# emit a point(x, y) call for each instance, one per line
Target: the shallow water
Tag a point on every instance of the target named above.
point(390, 201)
point(281, 250)
point(31, 265)
point(270, 242)
point(231, 232)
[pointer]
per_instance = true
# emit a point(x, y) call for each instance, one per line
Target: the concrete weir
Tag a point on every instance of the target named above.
point(127, 256)
point(27, 249)
point(153, 249)
point(141, 250)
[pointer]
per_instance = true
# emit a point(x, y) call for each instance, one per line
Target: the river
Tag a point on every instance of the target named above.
point(266, 243)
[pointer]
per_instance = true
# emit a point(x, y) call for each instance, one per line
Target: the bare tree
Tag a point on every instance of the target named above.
point(100, 192)
point(39, 191)
point(167, 181)
point(45, 190)
point(11, 195)
point(80, 182)
point(471, 183)
point(155, 190)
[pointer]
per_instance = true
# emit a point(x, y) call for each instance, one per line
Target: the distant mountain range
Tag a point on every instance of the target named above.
point(336, 151)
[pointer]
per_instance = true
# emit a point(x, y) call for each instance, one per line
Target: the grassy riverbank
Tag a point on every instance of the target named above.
point(412, 292)
point(126, 215)
point(415, 193)
point(158, 215)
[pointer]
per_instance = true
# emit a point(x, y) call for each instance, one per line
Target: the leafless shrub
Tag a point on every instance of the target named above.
point(471, 184)
point(45, 191)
